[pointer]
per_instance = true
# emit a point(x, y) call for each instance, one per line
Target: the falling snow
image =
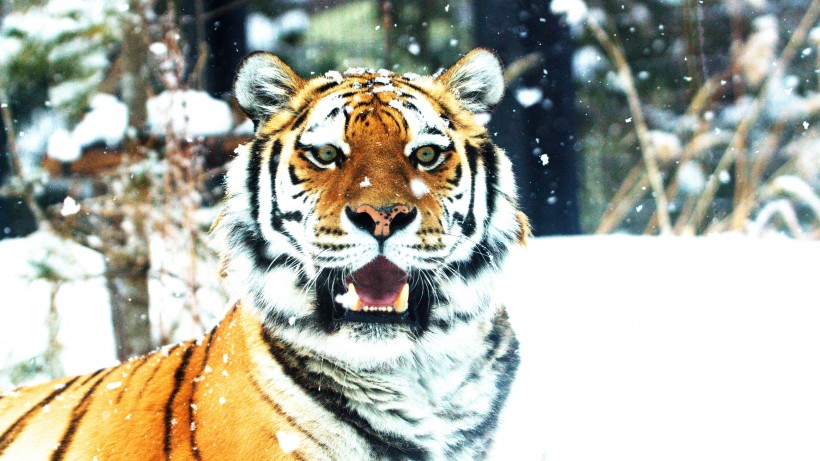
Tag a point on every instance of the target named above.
point(419, 188)
point(529, 96)
point(334, 75)
point(70, 207)
point(158, 48)
point(724, 177)
point(288, 441)
point(366, 181)
point(348, 299)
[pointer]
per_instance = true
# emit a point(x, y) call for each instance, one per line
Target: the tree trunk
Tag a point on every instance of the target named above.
point(127, 258)
point(127, 280)
point(135, 57)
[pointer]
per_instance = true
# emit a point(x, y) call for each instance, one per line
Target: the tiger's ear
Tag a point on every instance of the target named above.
point(264, 85)
point(477, 80)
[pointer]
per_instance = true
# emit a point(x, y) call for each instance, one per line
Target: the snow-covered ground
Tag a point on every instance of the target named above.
point(30, 268)
point(633, 348)
point(665, 349)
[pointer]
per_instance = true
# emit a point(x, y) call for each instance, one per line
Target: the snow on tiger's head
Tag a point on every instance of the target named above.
point(371, 212)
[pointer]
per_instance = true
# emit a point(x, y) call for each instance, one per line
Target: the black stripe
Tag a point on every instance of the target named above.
point(90, 377)
point(77, 416)
point(468, 225)
point(252, 239)
point(160, 362)
point(169, 409)
point(291, 216)
point(252, 182)
point(504, 364)
point(445, 113)
point(301, 115)
point(333, 113)
point(429, 129)
point(258, 246)
point(485, 255)
point(326, 86)
point(295, 180)
point(278, 409)
point(395, 120)
point(456, 179)
point(8, 437)
point(489, 155)
point(142, 360)
point(323, 390)
point(191, 414)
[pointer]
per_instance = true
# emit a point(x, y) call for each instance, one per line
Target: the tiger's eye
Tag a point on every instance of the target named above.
point(425, 155)
point(327, 153)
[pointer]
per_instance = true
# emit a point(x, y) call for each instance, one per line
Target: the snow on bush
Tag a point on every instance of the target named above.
point(67, 41)
point(105, 123)
point(189, 113)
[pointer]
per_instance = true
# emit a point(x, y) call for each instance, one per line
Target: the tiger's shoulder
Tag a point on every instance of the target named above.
point(199, 399)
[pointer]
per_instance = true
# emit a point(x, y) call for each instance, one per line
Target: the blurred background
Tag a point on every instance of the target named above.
point(657, 117)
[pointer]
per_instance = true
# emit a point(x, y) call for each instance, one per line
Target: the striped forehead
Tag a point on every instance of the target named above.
point(327, 121)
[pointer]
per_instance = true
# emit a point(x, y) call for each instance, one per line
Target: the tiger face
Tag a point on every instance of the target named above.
point(370, 214)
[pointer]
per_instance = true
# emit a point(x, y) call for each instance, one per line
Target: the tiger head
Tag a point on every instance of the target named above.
point(371, 213)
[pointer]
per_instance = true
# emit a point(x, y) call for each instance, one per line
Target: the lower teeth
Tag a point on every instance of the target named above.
point(353, 302)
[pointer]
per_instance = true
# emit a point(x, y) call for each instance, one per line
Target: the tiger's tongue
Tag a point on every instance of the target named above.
point(379, 282)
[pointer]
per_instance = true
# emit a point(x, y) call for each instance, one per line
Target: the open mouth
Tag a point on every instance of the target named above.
point(377, 292)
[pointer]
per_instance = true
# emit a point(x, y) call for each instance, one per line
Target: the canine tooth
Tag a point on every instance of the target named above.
point(389, 308)
point(401, 301)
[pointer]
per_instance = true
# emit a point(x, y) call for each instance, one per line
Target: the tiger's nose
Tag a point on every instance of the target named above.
point(381, 222)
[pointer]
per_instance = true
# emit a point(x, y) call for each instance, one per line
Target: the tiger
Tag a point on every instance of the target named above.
point(363, 237)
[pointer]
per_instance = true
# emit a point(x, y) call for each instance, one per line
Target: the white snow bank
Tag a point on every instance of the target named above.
point(664, 348)
point(105, 122)
point(85, 333)
point(191, 113)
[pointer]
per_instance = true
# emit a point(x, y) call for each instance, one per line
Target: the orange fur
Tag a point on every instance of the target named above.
point(205, 396)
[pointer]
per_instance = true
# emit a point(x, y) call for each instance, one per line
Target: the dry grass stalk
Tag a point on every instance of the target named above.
point(650, 161)
point(628, 193)
point(736, 145)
